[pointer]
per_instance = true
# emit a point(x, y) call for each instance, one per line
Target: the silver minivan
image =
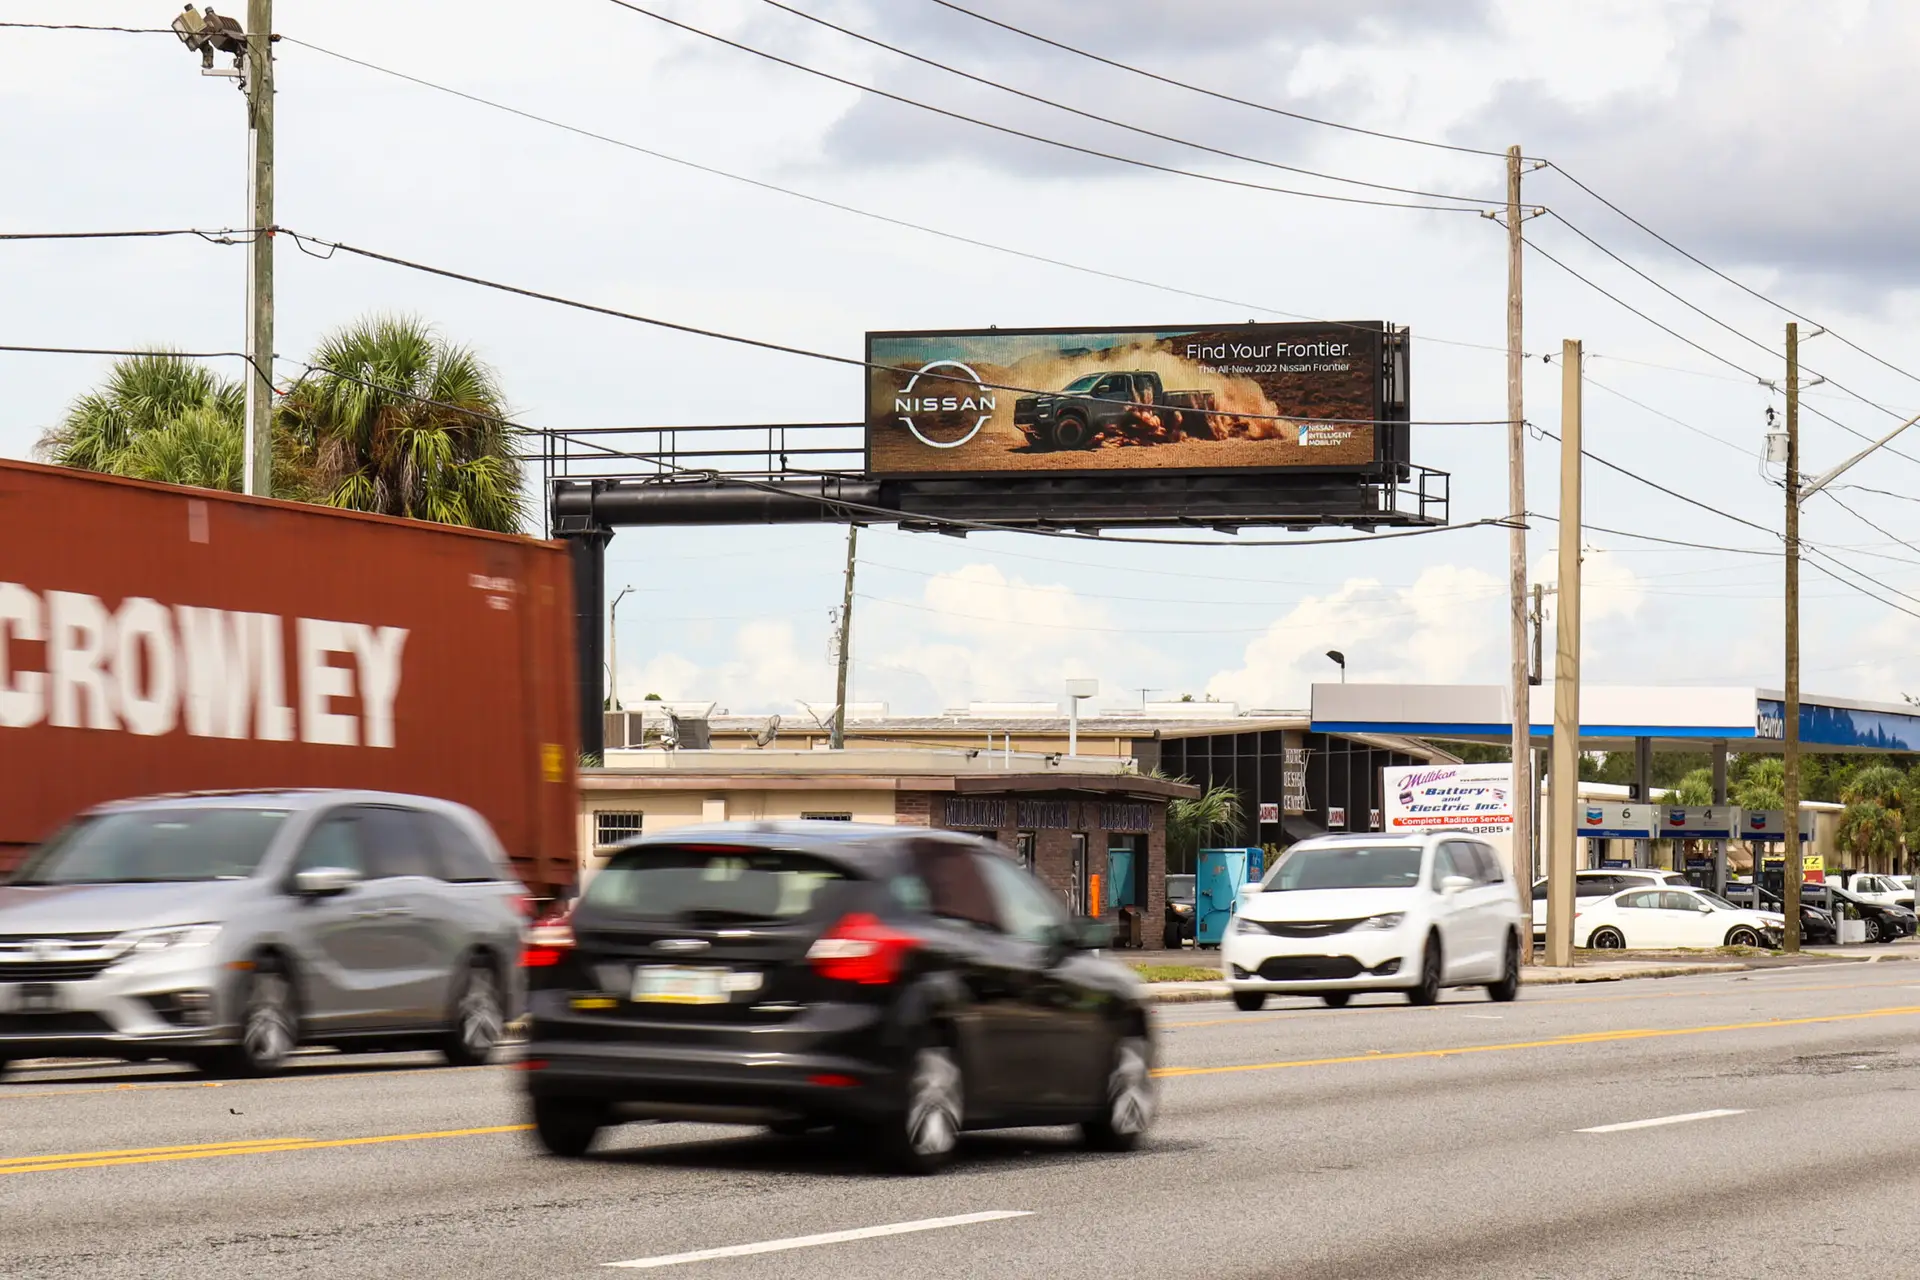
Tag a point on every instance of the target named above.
point(225, 929)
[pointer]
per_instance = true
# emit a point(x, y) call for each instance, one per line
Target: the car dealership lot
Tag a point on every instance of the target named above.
point(1346, 1136)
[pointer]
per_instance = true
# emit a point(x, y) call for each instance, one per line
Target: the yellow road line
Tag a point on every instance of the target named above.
point(210, 1148)
point(1280, 1015)
point(106, 1159)
point(1558, 1042)
point(51, 1088)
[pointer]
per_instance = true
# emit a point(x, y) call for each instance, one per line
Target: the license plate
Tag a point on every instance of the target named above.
point(663, 984)
point(32, 997)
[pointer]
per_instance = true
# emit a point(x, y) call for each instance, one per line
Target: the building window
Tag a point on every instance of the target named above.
point(1024, 844)
point(611, 827)
point(826, 817)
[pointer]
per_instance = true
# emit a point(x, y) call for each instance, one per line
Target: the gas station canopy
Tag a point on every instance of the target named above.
point(1615, 717)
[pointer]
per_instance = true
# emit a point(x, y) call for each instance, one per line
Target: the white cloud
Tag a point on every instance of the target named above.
point(766, 670)
point(1438, 630)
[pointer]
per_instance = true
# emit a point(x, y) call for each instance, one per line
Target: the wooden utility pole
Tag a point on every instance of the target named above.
point(257, 477)
point(1524, 783)
point(1564, 777)
point(1790, 771)
point(845, 654)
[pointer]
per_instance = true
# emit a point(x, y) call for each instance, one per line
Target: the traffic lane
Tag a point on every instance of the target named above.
point(441, 1206)
point(1217, 1033)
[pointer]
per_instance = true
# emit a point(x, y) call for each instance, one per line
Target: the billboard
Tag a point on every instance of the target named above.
point(1474, 799)
point(1247, 397)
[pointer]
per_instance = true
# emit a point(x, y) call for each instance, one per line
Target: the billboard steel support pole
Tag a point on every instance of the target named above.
point(1524, 783)
point(1565, 775)
point(839, 738)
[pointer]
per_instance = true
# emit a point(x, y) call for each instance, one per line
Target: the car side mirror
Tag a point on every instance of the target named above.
point(1454, 884)
point(324, 882)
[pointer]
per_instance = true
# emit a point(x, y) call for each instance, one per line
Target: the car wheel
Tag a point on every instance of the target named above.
point(921, 1137)
point(4, 1064)
point(1742, 937)
point(1336, 999)
point(566, 1127)
point(1509, 985)
point(1428, 992)
point(1873, 928)
point(1170, 940)
point(478, 1016)
point(1128, 1105)
point(269, 1027)
point(1607, 939)
point(1072, 433)
point(1249, 1001)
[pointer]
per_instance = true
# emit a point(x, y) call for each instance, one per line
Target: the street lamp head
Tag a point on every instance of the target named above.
point(1338, 657)
point(208, 32)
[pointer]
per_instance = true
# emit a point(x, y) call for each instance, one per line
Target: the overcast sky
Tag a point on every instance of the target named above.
point(1772, 140)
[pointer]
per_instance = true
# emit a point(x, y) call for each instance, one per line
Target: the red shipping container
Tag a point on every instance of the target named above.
point(157, 639)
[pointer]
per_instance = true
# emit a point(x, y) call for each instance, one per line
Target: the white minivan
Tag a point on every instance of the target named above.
point(1340, 914)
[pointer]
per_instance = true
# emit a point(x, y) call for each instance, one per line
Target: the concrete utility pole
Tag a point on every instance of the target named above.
point(1564, 776)
point(839, 738)
point(1519, 687)
point(613, 649)
point(259, 86)
point(1790, 771)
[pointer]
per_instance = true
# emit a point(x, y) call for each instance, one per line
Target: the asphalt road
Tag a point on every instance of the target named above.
point(1379, 1140)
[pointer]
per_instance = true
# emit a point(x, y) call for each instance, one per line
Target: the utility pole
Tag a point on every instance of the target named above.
point(258, 477)
point(1564, 776)
point(839, 738)
point(1520, 688)
point(613, 649)
point(1790, 771)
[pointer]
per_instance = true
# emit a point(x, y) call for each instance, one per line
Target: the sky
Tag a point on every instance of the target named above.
point(1764, 138)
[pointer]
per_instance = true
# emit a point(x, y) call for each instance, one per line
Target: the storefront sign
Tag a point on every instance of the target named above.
point(977, 813)
point(1336, 817)
point(1124, 815)
point(1293, 777)
point(1607, 820)
point(1269, 813)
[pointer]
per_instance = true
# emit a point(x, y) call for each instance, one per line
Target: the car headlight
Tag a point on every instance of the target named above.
point(1390, 920)
point(149, 941)
point(1181, 908)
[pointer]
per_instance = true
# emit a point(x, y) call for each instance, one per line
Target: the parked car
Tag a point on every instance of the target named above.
point(225, 929)
point(1673, 917)
point(1885, 923)
point(904, 985)
point(1179, 924)
point(1816, 924)
point(1883, 890)
point(1340, 914)
point(1590, 887)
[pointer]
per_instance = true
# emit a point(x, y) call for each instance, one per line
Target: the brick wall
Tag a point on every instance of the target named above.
point(913, 808)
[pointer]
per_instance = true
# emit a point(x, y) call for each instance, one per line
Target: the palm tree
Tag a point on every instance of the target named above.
point(1194, 824)
point(1696, 788)
point(398, 421)
point(1763, 787)
point(143, 395)
point(1873, 825)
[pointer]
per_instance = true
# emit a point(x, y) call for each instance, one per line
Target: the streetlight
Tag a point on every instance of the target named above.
point(1340, 659)
point(613, 646)
point(206, 33)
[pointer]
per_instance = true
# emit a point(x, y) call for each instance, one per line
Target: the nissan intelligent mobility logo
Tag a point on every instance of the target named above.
point(950, 412)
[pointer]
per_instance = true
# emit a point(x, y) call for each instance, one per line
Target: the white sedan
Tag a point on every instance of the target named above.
point(1673, 917)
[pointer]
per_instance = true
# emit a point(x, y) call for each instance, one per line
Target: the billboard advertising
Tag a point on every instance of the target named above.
point(1203, 398)
point(1475, 799)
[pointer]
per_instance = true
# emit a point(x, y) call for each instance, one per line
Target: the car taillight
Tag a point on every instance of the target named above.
point(861, 949)
point(546, 946)
point(523, 903)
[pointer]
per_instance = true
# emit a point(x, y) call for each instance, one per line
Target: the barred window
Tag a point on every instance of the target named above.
point(611, 826)
point(826, 817)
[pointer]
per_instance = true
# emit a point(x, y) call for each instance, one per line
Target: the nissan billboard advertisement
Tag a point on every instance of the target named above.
point(1216, 398)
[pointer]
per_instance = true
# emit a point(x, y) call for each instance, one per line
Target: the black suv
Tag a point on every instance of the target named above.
point(902, 984)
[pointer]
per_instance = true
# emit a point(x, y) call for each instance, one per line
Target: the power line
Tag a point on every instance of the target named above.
point(128, 351)
point(1648, 537)
point(332, 246)
point(1034, 137)
point(224, 235)
point(1212, 93)
point(855, 210)
point(1658, 413)
point(1836, 500)
point(1710, 268)
point(1654, 484)
point(1118, 124)
point(83, 26)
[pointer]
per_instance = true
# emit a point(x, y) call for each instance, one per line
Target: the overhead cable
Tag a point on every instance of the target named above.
point(713, 171)
point(1213, 93)
point(1120, 124)
point(1035, 137)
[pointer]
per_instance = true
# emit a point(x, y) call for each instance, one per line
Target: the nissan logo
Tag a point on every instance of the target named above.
point(979, 402)
point(681, 945)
